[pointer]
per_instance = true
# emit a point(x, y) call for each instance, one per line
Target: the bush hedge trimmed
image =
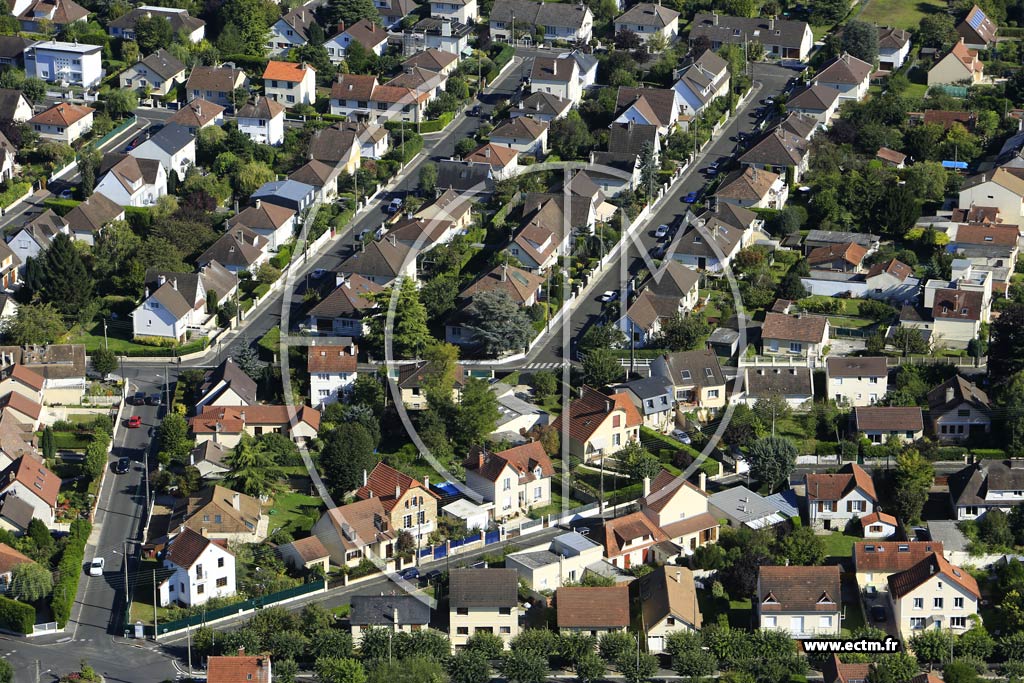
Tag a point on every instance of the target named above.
point(282, 258)
point(69, 571)
point(61, 207)
point(16, 616)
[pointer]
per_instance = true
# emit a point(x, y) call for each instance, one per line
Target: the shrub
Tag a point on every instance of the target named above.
point(69, 570)
point(17, 616)
point(60, 206)
point(282, 258)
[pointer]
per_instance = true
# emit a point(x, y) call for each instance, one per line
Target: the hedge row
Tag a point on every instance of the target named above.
point(14, 192)
point(282, 258)
point(16, 616)
point(438, 124)
point(69, 571)
point(61, 207)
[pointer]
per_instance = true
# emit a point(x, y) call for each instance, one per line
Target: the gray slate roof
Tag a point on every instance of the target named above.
point(381, 610)
point(734, 30)
point(163, 64)
point(487, 588)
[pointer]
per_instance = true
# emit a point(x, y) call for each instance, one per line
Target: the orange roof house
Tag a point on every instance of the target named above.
point(599, 425)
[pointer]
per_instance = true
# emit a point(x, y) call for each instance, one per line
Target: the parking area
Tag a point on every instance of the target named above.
point(878, 611)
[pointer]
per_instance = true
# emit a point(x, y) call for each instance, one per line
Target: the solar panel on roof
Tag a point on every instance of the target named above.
point(975, 20)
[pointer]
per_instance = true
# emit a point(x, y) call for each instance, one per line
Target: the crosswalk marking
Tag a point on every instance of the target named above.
point(542, 366)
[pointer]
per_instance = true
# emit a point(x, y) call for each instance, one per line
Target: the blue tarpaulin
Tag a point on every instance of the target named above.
point(956, 165)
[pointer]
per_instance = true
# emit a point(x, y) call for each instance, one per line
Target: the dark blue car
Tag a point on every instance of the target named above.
point(410, 574)
point(691, 197)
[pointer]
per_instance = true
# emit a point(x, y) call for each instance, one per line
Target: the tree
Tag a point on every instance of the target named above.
point(339, 670)
point(407, 327)
point(601, 367)
point(960, 672)
point(47, 444)
point(638, 462)
point(34, 324)
point(772, 459)
point(771, 408)
point(250, 176)
point(615, 644)
point(932, 646)
point(30, 582)
point(791, 287)
point(909, 340)
point(589, 668)
point(487, 644)
point(648, 170)
point(250, 20)
point(351, 11)
point(104, 361)
point(63, 279)
point(409, 670)
point(803, 547)
point(347, 453)
point(828, 12)
point(478, 412)
point(499, 324)
point(975, 643)
point(684, 333)
point(994, 529)
point(469, 666)
point(368, 391)
point(637, 668)
point(6, 671)
point(570, 137)
point(254, 471)
point(172, 435)
point(248, 359)
point(524, 666)
point(428, 177)
point(121, 102)
point(627, 40)
point(860, 39)
point(544, 384)
point(152, 33)
point(1006, 343)
point(937, 30)
point(914, 477)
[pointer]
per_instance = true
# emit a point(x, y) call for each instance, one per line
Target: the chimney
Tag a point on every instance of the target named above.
point(161, 279)
point(703, 479)
point(771, 23)
point(174, 283)
point(504, 272)
point(394, 616)
point(242, 415)
point(241, 651)
point(714, 18)
point(679, 576)
point(203, 531)
point(426, 483)
point(647, 486)
point(364, 477)
point(398, 491)
point(259, 204)
point(394, 240)
point(236, 500)
point(607, 406)
point(949, 394)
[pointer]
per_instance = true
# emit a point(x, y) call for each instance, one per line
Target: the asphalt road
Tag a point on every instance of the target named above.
point(588, 311)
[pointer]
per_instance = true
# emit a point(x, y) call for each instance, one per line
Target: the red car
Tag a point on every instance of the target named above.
point(134, 421)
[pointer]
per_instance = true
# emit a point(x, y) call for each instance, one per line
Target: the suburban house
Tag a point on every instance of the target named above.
point(561, 21)
point(987, 485)
point(648, 106)
point(779, 151)
point(29, 480)
point(816, 101)
point(198, 114)
point(647, 19)
point(179, 19)
point(239, 249)
point(781, 38)
point(879, 525)
point(631, 540)
point(669, 292)
point(592, 610)
point(289, 83)
point(60, 14)
point(558, 76)
point(215, 84)
point(848, 75)
point(9, 559)
point(332, 372)
point(158, 74)
point(668, 605)
point(174, 146)
point(411, 505)
point(164, 313)
point(306, 553)
point(397, 613)
point(382, 261)
point(565, 559)
point(12, 50)
point(840, 258)
point(361, 98)
point(599, 425)
point(541, 106)
point(977, 30)
point(794, 385)
point(988, 245)
point(131, 181)
point(211, 459)
point(881, 423)
point(753, 189)
point(14, 106)
point(262, 121)
point(356, 531)
point(958, 315)
point(19, 379)
point(696, 378)
point(834, 500)
point(1001, 188)
point(462, 11)
point(240, 667)
point(78, 64)
point(875, 561)
point(368, 34)
point(893, 48)
point(891, 280)
point(346, 309)
point(523, 134)
point(432, 59)
point(412, 378)
point(226, 385)
point(800, 335)
point(824, 238)
point(226, 424)
point(960, 66)
point(741, 507)
point(219, 513)
point(438, 34)
point(88, 219)
point(483, 600)
point(805, 602)
point(680, 510)
point(343, 144)
point(273, 222)
point(63, 122)
point(200, 569)
point(655, 400)
point(856, 380)
point(22, 409)
point(933, 594)
point(504, 161)
point(516, 480)
point(292, 29)
point(393, 11)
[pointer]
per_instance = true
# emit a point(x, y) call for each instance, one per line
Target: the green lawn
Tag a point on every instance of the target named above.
point(142, 594)
point(118, 342)
point(844, 321)
point(553, 508)
point(738, 611)
point(290, 512)
point(905, 14)
point(839, 545)
point(854, 618)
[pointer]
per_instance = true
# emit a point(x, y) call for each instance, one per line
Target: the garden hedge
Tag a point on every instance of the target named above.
point(16, 616)
point(69, 571)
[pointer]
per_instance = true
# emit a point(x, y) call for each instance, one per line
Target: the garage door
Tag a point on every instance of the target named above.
point(655, 643)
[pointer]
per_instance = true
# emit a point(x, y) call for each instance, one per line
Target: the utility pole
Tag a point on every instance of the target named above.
point(106, 343)
point(127, 595)
point(155, 632)
point(167, 389)
point(188, 632)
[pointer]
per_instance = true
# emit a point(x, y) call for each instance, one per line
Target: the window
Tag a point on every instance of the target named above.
point(795, 347)
point(825, 622)
point(220, 563)
point(769, 622)
point(937, 603)
point(971, 511)
point(712, 393)
point(958, 603)
point(505, 611)
point(917, 623)
point(181, 588)
point(958, 622)
point(616, 420)
point(536, 492)
point(463, 630)
point(918, 603)
point(671, 621)
point(217, 519)
point(199, 571)
point(462, 610)
point(324, 393)
point(407, 521)
point(200, 589)
point(506, 630)
point(206, 518)
point(222, 581)
point(616, 439)
point(963, 413)
point(507, 486)
point(421, 517)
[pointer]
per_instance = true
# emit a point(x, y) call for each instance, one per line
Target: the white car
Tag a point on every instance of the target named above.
point(610, 295)
point(661, 231)
point(681, 436)
point(96, 567)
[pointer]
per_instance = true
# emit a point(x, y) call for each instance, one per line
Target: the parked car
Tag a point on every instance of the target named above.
point(123, 465)
point(139, 398)
point(877, 613)
point(691, 197)
point(610, 295)
point(662, 231)
point(318, 273)
point(154, 399)
point(134, 422)
point(395, 205)
point(96, 567)
point(432, 575)
point(410, 574)
point(66, 193)
point(475, 111)
point(681, 436)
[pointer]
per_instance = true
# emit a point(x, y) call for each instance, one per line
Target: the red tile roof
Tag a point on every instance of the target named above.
point(29, 378)
point(1001, 235)
point(935, 564)
point(891, 556)
point(901, 271)
point(11, 558)
point(62, 115)
point(808, 328)
point(238, 669)
point(524, 459)
point(835, 486)
point(384, 482)
point(588, 413)
point(851, 252)
point(331, 359)
point(888, 418)
point(594, 607)
point(618, 532)
point(21, 403)
point(286, 71)
point(187, 547)
point(30, 472)
point(231, 417)
point(879, 518)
